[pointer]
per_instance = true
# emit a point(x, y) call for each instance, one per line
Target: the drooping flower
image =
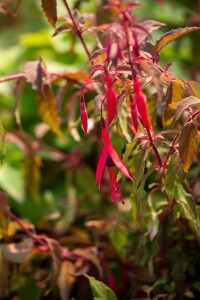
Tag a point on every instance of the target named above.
point(141, 105)
point(110, 158)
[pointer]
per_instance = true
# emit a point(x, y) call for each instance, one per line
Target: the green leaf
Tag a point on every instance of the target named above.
point(184, 104)
point(186, 201)
point(12, 181)
point(100, 291)
point(50, 9)
point(47, 109)
point(188, 143)
point(194, 87)
point(171, 36)
point(118, 239)
point(174, 96)
point(173, 176)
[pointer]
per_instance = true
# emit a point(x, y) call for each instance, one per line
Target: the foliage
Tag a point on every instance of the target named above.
point(62, 238)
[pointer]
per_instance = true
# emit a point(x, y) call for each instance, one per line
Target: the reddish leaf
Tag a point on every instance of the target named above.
point(172, 35)
point(50, 9)
point(184, 104)
point(188, 144)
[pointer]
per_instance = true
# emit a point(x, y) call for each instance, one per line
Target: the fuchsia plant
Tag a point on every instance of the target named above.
point(135, 100)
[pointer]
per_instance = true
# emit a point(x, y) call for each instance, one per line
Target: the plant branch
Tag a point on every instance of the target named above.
point(12, 77)
point(77, 30)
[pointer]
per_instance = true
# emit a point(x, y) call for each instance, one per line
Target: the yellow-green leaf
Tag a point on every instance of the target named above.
point(174, 96)
point(171, 36)
point(66, 279)
point(50, 9)
point(100, 291)
point(188, 144)
point(4, 214)
point(47, 109)
point(194, 87)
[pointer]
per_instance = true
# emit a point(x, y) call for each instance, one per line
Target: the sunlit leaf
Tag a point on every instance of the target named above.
point(194, 86)
point(55, 252)
point(66, 279)
point(8, 175)
point(100, 291)
point(50, 9)
point(188, 144)
point(47, 109)
point(184, 104)
point(171, 36)
point(174, 96)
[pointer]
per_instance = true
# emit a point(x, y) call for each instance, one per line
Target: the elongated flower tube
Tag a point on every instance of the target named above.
point(141, 105)
point(110, 158)
point(84, 116)
point(111, 100)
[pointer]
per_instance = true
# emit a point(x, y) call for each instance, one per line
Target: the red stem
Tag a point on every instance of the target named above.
point(78, 31)
point(12, 77)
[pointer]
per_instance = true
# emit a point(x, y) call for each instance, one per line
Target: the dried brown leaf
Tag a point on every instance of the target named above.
point(50, 9)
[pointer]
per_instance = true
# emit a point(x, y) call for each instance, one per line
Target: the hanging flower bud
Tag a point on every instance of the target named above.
point(84, 116)
point(111, 99)
point(141, 105)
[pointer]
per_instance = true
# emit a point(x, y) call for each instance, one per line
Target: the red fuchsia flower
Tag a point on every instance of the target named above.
point(84, 116)
point(111, 100)
point(110, 158)
point(141, 105)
